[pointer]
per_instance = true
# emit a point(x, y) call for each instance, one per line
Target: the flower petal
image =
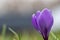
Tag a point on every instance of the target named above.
point(37, 13)
point(42, 25)
point(45, 21)
point(34, 22)
point(48, 18)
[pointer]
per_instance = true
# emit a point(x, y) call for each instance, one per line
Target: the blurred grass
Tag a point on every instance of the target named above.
point(27, 35)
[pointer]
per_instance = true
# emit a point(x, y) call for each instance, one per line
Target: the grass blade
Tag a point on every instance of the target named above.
point(3, 32)
point(16, 35)
point(54, 36)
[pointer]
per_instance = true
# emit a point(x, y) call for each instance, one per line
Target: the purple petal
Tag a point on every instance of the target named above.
point(42, 24)
point(34, 22)
point(45, 21)
point(48, 18)
point(37, 13)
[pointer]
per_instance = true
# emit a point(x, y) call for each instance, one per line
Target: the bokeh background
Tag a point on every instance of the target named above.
point(16, 14)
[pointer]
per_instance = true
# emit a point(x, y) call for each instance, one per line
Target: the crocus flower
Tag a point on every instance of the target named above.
point(42, 22)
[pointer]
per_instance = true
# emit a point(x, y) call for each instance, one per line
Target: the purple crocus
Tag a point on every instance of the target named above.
point(42, 22)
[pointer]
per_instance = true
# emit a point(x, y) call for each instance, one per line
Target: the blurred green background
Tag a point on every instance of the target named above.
point(15, 19)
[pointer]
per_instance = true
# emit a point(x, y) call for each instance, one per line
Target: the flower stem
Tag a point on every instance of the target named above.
point(46, 38)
